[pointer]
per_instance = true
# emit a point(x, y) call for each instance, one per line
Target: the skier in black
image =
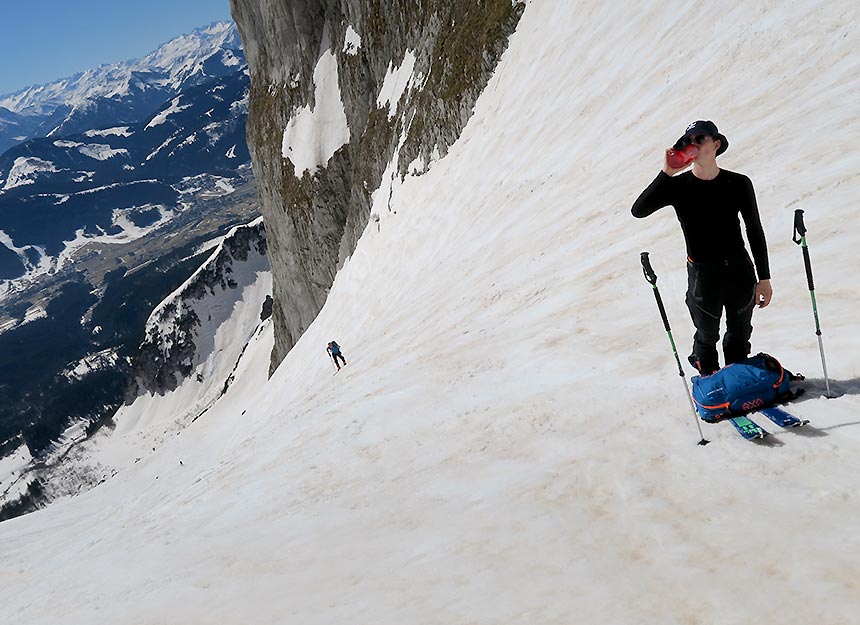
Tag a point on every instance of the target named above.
point(720, 274)
point(333, 350)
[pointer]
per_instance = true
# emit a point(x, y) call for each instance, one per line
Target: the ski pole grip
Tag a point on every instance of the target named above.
point(808, 264)
point(799, 227)
point(650, 276)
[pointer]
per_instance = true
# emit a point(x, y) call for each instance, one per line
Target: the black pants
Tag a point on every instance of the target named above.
point(712, 287)
point(336, 356)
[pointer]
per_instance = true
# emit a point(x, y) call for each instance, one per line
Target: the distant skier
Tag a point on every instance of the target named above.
point(333, 350)
point(720, 274)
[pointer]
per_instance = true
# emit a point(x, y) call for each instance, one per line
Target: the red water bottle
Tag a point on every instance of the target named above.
point(683, 157)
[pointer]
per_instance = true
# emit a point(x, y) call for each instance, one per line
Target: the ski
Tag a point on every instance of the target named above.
point(783, 418)
point(748, 428)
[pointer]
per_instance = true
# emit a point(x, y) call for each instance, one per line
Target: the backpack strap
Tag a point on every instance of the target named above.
point(772, 364)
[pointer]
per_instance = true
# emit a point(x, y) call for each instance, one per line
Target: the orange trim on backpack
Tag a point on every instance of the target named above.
point(781, 376)
point(725, 405)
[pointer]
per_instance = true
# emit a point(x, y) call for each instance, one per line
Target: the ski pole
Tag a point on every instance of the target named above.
point(651, 277)
point(799, 237)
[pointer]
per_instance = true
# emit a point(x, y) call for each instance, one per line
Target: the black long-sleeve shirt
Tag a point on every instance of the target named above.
point(708, 211)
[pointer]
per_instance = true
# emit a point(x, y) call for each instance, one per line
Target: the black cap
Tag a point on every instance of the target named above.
point(702, 127)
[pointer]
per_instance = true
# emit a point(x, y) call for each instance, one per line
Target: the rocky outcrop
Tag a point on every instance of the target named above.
point(180, 328)
point(266, 312)
point(341, 89)
point(32, 499)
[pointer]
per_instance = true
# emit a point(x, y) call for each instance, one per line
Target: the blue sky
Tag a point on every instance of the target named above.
point(42, 40)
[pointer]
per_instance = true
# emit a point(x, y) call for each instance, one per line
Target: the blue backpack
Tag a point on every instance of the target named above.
point(738, 388)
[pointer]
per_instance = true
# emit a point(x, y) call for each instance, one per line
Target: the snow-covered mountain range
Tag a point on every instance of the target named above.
point(116, 183)
point(114, 168)
point(106, 216)
point(123, 92)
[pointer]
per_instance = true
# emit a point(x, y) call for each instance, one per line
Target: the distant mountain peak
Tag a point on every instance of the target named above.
point(173, 65)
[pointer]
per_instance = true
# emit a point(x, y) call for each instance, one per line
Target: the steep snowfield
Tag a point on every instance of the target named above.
point(509, 442)
point(229, 327)
point(14, 478)
point(153, 420)
point(225, 296)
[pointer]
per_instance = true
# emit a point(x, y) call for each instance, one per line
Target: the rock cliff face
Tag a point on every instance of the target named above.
point(345, 93)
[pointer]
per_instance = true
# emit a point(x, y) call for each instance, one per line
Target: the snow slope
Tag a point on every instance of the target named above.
point(508, 443)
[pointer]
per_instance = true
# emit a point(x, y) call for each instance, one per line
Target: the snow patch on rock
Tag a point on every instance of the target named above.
point(25, 169)
point(313, 135)
point(351, 42)
point(395, 83)
point(161, 117)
